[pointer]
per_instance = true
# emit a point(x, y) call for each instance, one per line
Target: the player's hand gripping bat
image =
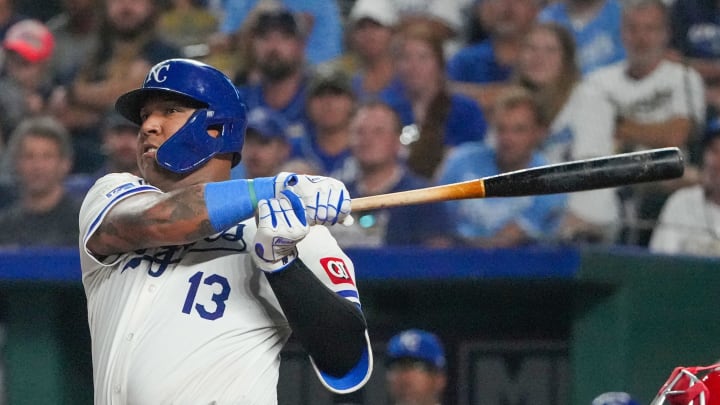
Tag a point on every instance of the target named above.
point(580, 175)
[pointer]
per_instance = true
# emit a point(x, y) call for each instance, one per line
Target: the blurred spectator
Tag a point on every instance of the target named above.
point(127, 46)
point(330, 104)
point(653, 102)
point(595, 24)
point(119, 145)
point(266, 147)
point(482, 15)
point(501, 222)
point(321, 19)
point(443, 17)
point(436, 120)
point(482, 70)
point(690, 219)
point(416, 368)
point(76, 32)
point(696, 42)
point(614, 398)
point(188, 25)
point(26, 85)
point(44, 215)
point(372, 24)
point(278, 48)
point(8, 16)
point(578, 128)
point(376, 147)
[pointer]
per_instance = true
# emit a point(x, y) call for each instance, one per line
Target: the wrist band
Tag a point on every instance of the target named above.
point(253, 196)
point(229, 202)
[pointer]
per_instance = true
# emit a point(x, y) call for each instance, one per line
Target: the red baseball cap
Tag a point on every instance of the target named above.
point(31, 39)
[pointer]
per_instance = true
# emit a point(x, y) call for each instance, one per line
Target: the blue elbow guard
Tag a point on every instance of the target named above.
point(229, 202)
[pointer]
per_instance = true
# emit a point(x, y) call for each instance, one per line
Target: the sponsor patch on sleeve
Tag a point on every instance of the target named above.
point(337, 270)
point(119, 189)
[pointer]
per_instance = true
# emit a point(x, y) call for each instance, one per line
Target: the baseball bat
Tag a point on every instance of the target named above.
point(580, 175)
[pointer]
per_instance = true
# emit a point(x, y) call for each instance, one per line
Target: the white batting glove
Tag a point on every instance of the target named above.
point(326, 200)
point(281, 225)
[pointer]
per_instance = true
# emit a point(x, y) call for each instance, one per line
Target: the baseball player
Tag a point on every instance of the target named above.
point(190, 298)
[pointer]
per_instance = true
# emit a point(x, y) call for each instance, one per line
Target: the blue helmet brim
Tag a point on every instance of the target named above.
point(130, 103)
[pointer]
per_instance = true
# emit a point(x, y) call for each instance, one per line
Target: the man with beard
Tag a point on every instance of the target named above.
point(127, 47)
point(280, 84)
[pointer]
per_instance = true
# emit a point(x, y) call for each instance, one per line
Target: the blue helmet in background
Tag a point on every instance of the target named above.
point(416, 344)
point(221, 108)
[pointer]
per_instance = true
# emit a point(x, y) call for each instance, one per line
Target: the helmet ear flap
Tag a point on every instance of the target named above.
point(191, 146)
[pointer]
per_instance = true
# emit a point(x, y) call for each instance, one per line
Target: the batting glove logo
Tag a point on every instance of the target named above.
point(336, 270)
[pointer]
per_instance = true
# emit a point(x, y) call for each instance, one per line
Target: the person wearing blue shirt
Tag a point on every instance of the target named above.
point(325, 38)
point(504, 222)
point(595, 24)
point(376, 152)
point(330, 104)
point(482, 70)
point(278, 46)
point(478, 64)
point(371, 25)
point(436, 120)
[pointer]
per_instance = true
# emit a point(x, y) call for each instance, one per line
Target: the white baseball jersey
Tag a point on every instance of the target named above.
point(670, 90)
point(191, 324)
point(689, 224)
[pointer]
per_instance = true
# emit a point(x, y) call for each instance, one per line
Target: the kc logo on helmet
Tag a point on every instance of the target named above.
point(336, 270)
point(157, 75)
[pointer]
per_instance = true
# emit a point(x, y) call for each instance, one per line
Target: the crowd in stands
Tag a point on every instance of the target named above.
point(386, 95)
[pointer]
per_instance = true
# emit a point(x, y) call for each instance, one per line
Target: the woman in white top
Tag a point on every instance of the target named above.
point(547, 66)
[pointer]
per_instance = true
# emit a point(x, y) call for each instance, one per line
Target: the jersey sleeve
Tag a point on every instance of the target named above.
point(323, 256)
point(107, 191)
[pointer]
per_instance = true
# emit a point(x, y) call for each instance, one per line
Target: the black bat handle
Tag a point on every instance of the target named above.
point(589, 174)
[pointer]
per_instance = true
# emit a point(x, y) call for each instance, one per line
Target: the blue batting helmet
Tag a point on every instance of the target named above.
point(222, 108)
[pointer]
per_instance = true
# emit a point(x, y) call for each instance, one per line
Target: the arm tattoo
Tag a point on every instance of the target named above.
point(173, 218)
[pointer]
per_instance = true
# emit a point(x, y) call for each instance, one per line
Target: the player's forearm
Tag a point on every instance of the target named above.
point(330, 328)
point(182, 216)
point(151, 220)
